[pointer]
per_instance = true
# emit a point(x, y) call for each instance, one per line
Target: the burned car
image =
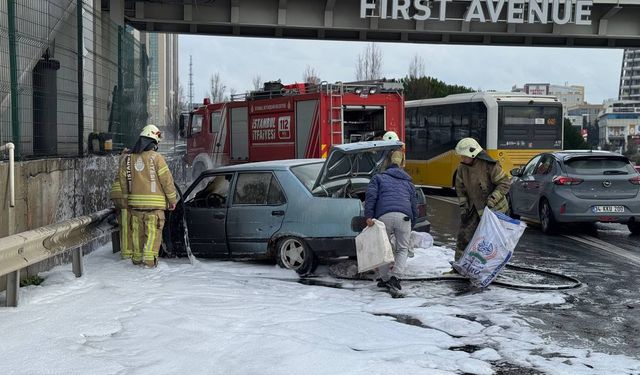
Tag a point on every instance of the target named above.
point(292, 210)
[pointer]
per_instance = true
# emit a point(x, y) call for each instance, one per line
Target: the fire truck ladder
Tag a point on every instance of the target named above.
point(336, 113)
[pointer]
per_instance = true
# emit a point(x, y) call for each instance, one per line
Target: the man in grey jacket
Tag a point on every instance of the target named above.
point(391, 198)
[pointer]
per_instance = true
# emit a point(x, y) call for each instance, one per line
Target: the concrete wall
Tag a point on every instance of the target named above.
point(53, 190)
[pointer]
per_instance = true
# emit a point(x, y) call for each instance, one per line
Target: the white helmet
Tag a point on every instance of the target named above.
point(390, 136)
point(468, 147)
point(151, 131)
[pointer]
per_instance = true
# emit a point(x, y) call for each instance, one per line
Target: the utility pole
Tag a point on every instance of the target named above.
point(190, 82)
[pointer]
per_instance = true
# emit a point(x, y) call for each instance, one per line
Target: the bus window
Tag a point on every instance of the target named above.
point(529, 127)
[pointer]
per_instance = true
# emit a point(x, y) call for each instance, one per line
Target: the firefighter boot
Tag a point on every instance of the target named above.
point(151, 263)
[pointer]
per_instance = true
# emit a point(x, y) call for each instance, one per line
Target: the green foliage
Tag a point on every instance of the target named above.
point(429, 87)
point(31, 280)
point(572, 138)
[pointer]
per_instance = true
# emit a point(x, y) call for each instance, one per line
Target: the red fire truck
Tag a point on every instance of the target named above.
point(291, 121)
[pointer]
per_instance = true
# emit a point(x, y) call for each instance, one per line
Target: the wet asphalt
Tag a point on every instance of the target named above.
point(604, 313)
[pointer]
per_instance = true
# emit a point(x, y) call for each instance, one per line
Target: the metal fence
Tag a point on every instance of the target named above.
point(71, 80)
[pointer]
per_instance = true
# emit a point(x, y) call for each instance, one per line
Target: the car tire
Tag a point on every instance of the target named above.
point(547, 220)
point(634, 227)
point(294, 254)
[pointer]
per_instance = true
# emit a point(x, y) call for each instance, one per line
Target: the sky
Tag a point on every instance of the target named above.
point(222, 317)
point(239, 60)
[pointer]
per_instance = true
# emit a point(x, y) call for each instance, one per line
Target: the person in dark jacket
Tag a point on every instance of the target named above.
point(391, 198)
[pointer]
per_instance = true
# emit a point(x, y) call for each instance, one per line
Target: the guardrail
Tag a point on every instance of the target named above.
point(24, 249)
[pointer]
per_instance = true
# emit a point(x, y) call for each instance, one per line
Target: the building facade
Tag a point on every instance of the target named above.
point(630, 75)
point(619, 125)
point(162, 50)
point(570, 96)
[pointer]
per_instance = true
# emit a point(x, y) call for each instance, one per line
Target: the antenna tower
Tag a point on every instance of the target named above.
point(190, 82)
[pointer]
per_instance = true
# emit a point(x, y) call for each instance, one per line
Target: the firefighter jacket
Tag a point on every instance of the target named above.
point(481, 184)
point(148, 181)
point(116, 195)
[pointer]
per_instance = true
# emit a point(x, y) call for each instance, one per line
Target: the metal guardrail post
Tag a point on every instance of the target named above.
point(78, 262)
point(13, 287)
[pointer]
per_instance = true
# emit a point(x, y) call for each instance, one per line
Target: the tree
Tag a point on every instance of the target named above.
point(416, 67)
point(572, 138)
point(429, 87)
point(369, 65)
point(218, 88)
point(257, 82)
point(311, 76)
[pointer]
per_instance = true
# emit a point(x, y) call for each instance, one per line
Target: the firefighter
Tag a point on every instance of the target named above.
point(480, 182)
point(149, 191)
point(124, 217)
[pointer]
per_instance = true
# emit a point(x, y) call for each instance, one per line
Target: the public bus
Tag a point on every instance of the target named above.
point(511, 127)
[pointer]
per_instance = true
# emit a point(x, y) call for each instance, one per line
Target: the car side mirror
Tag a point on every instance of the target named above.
point(516, 172)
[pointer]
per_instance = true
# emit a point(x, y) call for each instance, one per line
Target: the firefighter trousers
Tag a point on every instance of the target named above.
point(468, 225)
point(124, 219)
point(146, 231)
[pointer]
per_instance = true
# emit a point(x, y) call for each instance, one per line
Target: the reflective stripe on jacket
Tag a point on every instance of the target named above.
point(117, 196)
point(147, 180)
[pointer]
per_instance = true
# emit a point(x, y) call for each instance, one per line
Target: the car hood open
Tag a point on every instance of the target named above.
point(351, 160)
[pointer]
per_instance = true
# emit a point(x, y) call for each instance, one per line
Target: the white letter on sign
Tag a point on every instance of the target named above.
point(495, 9)
point(421, 7)
point(443, 9)
point(515, 14)
point(583, 10)
point(403, 9)
point(556, 12)
point(536, 10)
point(475, 11)
point(364, 6)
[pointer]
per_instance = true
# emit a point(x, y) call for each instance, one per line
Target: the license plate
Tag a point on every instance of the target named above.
point(607, 209)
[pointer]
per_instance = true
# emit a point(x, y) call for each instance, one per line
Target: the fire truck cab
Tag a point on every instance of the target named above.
point(290, 122)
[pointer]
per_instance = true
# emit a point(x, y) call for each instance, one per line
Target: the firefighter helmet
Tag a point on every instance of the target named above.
point(390, 136)
point(151, 131)
point(468, 147)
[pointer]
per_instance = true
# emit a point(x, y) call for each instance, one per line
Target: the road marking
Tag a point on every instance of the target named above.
point(605, 246)
point(444, 199)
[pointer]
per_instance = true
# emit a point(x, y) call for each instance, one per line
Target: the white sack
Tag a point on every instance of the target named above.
point(373, 248)
point(420, 240)
point(490, 248)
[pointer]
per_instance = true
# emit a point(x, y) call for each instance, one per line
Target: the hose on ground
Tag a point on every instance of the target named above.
point(573, 282)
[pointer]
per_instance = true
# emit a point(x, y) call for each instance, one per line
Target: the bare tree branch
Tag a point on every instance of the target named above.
point(257, 82)
point(416, 67)
point(369, 65)
point(311, 76)
point(218, 88)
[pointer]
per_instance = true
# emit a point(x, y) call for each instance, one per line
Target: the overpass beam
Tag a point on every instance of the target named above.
point(235, 12)
point(603, 25)
point(116, 11)
point(328, 13)
point(282, 13)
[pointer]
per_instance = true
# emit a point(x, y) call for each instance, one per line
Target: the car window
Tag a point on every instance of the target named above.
point(258, 189)
point(307, 174)
point(530, 167)
point(211, 192)
point(599, 166)
point(545, 166)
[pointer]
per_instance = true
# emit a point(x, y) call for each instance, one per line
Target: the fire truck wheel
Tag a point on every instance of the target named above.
point(293, 253)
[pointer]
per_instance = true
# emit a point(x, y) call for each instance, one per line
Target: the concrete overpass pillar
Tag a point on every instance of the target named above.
point(116, 11)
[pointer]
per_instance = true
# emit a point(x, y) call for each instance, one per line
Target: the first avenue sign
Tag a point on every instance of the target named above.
point(559, 12)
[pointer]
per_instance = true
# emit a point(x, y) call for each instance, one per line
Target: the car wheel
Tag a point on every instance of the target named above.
point(292, 253)
point(547, 221)
point(634, 227)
